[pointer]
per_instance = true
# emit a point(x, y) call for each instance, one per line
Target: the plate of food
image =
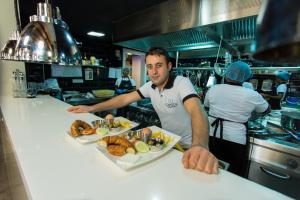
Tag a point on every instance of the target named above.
point(135, 148)
point(85, 133)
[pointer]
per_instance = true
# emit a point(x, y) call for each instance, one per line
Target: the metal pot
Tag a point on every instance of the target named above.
point(290, 120)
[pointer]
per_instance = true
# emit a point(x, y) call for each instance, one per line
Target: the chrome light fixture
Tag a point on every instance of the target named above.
point(278, 32)
point(46, 40)
point(8, 51)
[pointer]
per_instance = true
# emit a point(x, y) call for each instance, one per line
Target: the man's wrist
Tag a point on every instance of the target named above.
point(200, 145)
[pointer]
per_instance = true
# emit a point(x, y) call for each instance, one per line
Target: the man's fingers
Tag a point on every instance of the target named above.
point(216, 167)
point(202, 160)
point(185, 159)
point(209, 168)
point(194, 159)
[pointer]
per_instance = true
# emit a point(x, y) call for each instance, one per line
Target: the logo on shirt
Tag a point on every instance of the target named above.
point(171, 104)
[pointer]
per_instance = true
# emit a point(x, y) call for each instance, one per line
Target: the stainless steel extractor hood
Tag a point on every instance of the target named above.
point(181, 25)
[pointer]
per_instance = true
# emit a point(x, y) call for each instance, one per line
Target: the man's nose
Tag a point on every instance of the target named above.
point(154, 71)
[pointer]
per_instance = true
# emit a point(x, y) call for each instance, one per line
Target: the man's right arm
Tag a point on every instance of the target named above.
point(116, 102)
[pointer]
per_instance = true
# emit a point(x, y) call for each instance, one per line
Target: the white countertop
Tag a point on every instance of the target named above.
point(54, 166)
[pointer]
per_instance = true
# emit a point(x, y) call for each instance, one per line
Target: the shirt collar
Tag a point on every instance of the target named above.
point(169, 83)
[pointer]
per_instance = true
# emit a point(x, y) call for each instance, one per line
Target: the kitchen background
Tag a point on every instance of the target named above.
point(195, 47)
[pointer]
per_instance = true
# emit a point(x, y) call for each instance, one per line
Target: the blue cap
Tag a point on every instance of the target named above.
point(238, 71)
point(284, 75)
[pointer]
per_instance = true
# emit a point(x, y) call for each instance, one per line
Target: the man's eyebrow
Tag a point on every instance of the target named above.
point(158, 63)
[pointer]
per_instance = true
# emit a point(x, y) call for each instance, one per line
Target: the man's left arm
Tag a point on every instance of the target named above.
point(198, 156)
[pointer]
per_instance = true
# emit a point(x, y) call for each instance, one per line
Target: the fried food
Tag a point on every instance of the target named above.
point(88, 131)
point(77, 127)
point(116, 150)
point(117, 141)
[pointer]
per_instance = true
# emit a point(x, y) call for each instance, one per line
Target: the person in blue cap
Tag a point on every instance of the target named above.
point(279, 90)
point(230, 106)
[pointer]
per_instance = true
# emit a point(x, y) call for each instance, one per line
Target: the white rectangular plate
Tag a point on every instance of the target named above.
point(85, 139)
point(129, 161)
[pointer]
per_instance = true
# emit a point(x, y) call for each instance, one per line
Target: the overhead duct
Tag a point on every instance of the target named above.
point(181, 25)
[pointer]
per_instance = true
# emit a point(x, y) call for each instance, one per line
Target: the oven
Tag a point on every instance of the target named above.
point(276, 165)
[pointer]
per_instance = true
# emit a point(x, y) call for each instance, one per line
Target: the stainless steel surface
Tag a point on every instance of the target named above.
point(275, 164)
point(290, 120)
point(68, 52)
point(8, 50)
point(276, 153)
point(37, 43)
point(46, 40)
point(278, 33)
point(190, 24)
point(275, 178)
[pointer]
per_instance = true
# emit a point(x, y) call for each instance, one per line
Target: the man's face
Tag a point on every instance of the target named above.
point(125, 72)
point(158, 69)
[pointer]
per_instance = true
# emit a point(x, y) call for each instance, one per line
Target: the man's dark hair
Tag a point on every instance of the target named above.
point(158, 51)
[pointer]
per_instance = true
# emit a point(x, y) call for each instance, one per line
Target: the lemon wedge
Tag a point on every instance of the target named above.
point(141, 147)
point(102, 131)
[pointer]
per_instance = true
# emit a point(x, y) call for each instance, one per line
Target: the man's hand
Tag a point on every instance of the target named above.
point(199, 158)
point(79, 109)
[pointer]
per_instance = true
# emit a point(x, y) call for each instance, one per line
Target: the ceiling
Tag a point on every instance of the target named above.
point(88, 15)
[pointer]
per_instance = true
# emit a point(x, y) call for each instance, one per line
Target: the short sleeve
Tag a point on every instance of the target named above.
point(144, 91)
point(281, 88)
point(186, 89)
point(261, 105)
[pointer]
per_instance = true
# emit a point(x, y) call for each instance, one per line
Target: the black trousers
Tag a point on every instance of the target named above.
point(233, 153)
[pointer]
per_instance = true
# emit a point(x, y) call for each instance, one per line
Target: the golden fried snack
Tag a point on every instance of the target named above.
point(77, 126)
point(116, 150)
point(118, 141)
point(88, 131)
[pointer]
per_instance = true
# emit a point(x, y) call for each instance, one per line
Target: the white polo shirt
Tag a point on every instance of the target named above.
point(234, 103)
point(168, 104)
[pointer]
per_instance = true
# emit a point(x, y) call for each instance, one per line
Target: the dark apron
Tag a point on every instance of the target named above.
point(274, 103)
point(219, 122)
point(126, 84)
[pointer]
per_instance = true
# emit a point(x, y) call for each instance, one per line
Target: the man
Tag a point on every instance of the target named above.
point(278, 91)
point(230, 106)
point(177, 105)
point(125, 84)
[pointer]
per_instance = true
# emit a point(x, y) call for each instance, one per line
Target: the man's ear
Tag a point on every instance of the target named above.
point(169, 66)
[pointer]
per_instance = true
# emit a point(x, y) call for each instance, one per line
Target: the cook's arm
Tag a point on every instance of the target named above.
point(199, 122)
point(278, 96)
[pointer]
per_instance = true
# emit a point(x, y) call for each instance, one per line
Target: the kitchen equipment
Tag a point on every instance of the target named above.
point(267, 85)
point(88, 74)
point(45, 39)
point(290, 120)
point(275, 164)
point(292, 101)
point(103, 93)
point(18, 84)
